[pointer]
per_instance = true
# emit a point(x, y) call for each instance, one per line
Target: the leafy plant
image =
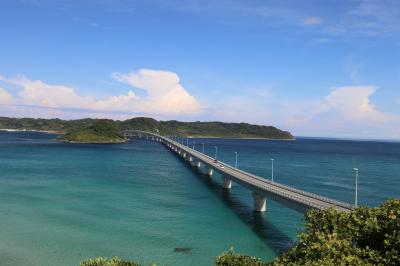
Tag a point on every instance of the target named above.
point(231, 258)
point(108, 262)
point(365, 236)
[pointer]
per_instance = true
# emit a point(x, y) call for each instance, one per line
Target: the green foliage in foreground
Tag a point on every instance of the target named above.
point(108, 262)
point(366, 236)
point(231, 258)
point(101, 131)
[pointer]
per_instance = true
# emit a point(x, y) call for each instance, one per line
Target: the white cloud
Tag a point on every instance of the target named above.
point(354, 104)
point(5, 97)
point(165, 95)
point(345, 112)
point(349, 104)
point(38, 93)
point(310, 21)
point(164, 91)
point(120, 102)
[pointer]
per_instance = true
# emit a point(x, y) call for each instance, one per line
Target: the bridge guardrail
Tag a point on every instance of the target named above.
point(266, 184)
point(302, 192)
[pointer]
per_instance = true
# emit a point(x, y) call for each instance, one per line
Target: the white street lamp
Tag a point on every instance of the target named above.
point(356, 197)
point(272, 169)
point(216, 152)
point(236, 159)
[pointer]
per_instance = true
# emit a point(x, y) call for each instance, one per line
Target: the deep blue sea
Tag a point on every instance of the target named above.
point(61, 203)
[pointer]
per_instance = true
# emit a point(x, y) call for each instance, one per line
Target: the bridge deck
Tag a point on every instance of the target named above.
point(261, 185)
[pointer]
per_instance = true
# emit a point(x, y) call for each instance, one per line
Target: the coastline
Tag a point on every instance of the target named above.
point(94, 142)
point(28, 130)
point(191, 137)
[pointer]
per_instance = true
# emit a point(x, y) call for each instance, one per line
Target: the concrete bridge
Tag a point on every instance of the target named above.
point(261, 188)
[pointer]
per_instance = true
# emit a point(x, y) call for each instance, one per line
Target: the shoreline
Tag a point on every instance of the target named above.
point(190, 137)
point(94, 142)
point(28, 130)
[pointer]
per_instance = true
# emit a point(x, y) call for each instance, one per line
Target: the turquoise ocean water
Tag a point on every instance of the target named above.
point(61, 203)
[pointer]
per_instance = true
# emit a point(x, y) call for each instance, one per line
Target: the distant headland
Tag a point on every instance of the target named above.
point(109, 131)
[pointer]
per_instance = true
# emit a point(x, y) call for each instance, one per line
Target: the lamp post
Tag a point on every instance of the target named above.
point(216, 152)
point(203, 146)
point(187, 142)
point(236, 159)
point(272, 169)
point(194, 144)
point(356, 196)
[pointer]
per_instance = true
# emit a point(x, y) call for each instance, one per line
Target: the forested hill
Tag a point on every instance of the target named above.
point(206, 129)
point(193, 129)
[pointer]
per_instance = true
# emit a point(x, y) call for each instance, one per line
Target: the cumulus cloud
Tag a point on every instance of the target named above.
point(353, 103)
point(164, 91)
point(342, 105)
point(38, 93)
point(164, 95)
point(346, 111)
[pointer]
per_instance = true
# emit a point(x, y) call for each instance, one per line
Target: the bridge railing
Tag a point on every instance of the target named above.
point(269, 182)
point(263, 180)
point(268, 187)
point(299, 191)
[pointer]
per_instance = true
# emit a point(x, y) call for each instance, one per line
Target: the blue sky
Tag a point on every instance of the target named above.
point(315, 68)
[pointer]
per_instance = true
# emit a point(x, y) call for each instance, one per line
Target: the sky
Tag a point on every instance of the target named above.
point(328, 68)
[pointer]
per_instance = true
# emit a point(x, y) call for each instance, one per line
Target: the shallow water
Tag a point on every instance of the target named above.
point(61, 203)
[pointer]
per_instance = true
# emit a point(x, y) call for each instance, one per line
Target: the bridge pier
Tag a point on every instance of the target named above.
point(293, 198)
point(226, 182)
point(209, 171)
point(259, 202)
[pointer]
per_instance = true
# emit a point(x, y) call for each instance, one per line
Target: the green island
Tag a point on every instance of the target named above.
point(102, 131)
point(109, 131)
point(365, 236)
